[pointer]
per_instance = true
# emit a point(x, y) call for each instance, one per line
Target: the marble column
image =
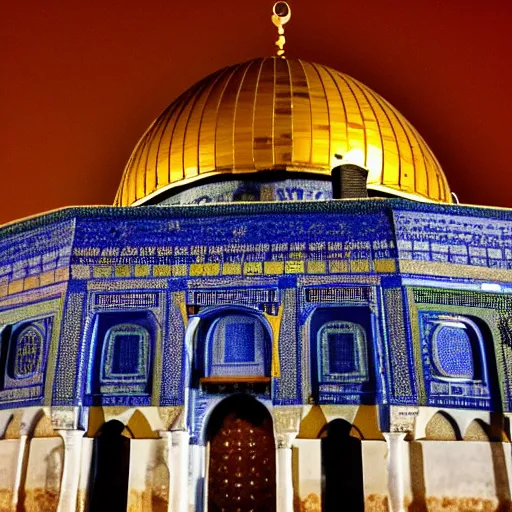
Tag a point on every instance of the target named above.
point(395, 467)
point(20, 463)
point(284, 476)
point(166, 435)
point(71, 470)
point(179, 465)
point(198, 485)
point(286, 427)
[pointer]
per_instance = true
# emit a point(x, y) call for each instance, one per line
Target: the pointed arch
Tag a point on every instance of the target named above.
point(241, 446)
point(477, 431)
point(43, 427)
point(340, 427)
point(232, 343)
point(25, 421)
point(140, 427)
point(12, 427)
point(442, 427)
point(366, 422)
point(312, 424)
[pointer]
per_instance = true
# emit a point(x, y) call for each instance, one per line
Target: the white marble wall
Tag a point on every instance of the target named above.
point(44, 472)
point(85, 469)
point(307, 474)
point(8, 458)
point(149, 475)
point(457, 475)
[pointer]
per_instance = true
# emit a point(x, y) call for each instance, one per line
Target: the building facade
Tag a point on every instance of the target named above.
point(230, 337)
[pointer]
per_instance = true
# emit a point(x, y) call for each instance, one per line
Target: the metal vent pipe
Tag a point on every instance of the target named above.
point(349, 182)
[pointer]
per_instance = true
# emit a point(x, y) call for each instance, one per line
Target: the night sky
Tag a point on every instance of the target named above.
point(81, 81)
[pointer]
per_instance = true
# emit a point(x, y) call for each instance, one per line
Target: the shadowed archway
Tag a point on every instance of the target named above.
point(342, 469)
point(110, 469)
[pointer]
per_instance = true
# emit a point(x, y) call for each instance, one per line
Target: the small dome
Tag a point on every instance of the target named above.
point(283, 115)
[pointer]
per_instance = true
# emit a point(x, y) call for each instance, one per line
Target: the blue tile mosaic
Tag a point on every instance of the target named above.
point(149, 301)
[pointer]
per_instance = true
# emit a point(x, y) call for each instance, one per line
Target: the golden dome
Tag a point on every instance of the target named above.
point(280, 114)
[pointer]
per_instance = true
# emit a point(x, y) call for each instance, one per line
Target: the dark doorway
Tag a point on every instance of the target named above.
point(342, 469)
point(241, 472)
point(109, 470)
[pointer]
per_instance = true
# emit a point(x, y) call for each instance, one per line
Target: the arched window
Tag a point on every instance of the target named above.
point(453, 350)
point(23, 350)
point(342, 357)
point(454, 360)
point(456, 348)
point(26, 356)
point(125, 353)
point(342, 365)
point(121, 355)
point(237, 345)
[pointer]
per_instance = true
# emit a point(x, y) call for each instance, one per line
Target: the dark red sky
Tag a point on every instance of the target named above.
point(81, 81)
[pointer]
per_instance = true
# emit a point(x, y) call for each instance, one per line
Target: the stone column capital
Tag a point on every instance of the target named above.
point(69, 418)
point(285, 440)
point(403, 418)
point(394, 436)
point(286, 424)
point(71, 438)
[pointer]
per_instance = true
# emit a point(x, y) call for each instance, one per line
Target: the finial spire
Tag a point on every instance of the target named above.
point(281, 15)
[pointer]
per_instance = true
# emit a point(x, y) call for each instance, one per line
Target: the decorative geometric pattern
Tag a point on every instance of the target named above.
point(465, 242)
point(343, 352)
point(237, 346)
point(67, 385)
point(454, 361)
point(126, 354)
point(286, 388)
point(25, 354)
point(120, 355)
point(294, 258)
point(339, 295)
point(398, 349)
point(452, 351)
point(462, 298)
point(342, 369)
point(342, 358)
point(233, 296)
point(173, 367)
point(493, 312)
point(28, 348)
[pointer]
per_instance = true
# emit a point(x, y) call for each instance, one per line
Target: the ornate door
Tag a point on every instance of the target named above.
point(241, 474)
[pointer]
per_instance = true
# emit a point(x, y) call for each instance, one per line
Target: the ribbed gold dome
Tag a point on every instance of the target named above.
point(280, 114)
